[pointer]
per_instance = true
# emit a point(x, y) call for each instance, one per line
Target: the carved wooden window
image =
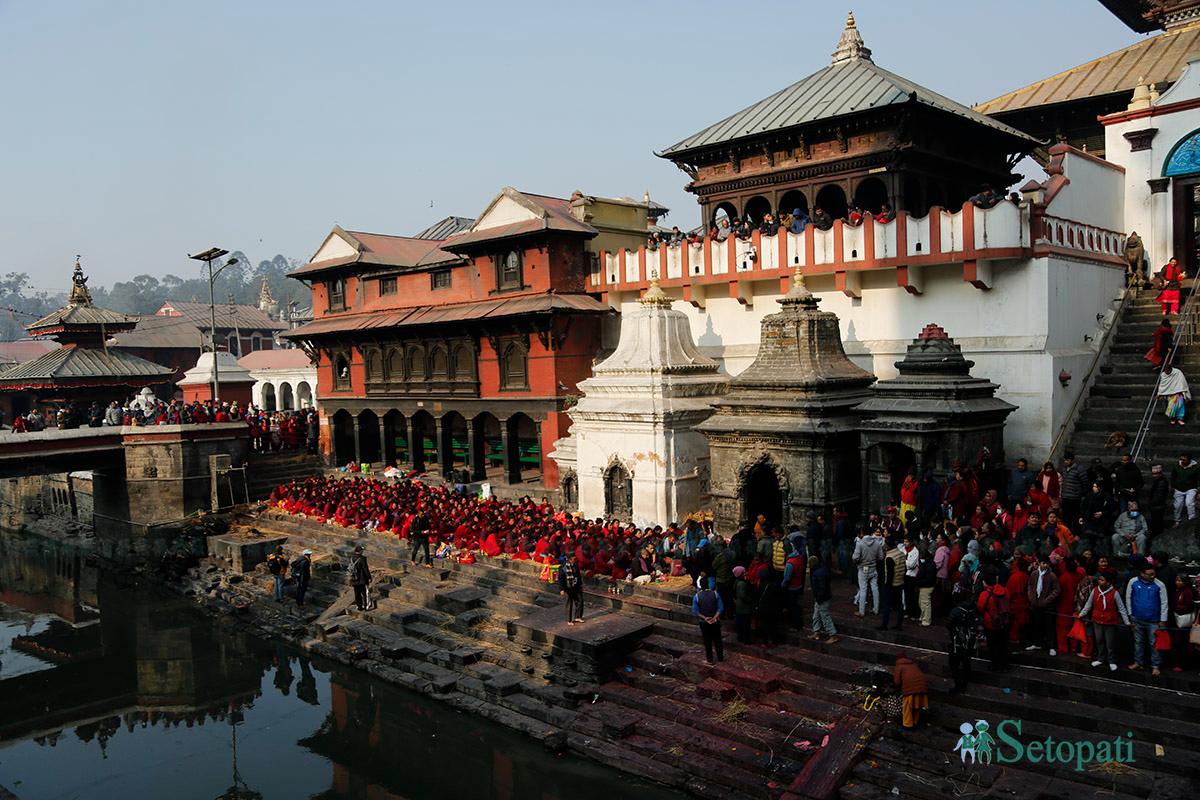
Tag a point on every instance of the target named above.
point(375, 366)
point(395, 365)
point(438, 364)
point(337, 294)
point(514, 367)
point(414, 364)
point(464, 363)
point(387, 286)
point(341, 373)
point(439, 279)
point(508, 270)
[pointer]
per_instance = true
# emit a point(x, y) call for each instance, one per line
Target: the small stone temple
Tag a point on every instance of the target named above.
point(634, 452)
point(784, 440)
point(933, 414)
point(85, 368)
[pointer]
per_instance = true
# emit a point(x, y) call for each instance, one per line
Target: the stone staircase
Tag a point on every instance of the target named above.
point(265, 471)
point(742, 728)
point(1119, 394)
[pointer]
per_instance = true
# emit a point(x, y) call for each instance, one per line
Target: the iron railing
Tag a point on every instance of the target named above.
point(1185, 335)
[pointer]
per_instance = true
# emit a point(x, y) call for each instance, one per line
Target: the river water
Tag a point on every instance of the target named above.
point(113, 690)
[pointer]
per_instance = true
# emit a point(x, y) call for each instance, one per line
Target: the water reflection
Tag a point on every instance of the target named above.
point(108, 689)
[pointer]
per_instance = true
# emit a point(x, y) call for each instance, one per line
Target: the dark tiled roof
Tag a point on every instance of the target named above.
point(547, 303)
point(837, 90)
point(445, 228)
point(1158, 59)
point(246, 317)
point(75, 363)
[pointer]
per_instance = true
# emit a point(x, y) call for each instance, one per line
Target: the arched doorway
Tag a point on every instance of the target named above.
point(870, 195)
point(368, 437)
point(761, 494)
point(286, 403)
point(343, 437)
point(792, 200)
point(888, 463)
point(757, 207)
point(423, 445)
point(395, 438)
point(723, 211)
point(303, 395)
point(454, 441)
point(569, 491)
point(268, 397)
point(618, 493)
point(832, 199)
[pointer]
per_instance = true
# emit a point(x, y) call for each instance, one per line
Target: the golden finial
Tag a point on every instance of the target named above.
point(798, 293)
point(655, 296)
point(850, 20)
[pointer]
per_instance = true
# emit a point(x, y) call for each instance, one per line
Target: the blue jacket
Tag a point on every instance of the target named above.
point(1147, 602)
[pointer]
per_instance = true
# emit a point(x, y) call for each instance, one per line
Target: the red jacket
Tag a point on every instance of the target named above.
point(993, 600)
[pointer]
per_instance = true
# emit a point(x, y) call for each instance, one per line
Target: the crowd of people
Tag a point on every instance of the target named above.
point(1057, 559)
point(270, 430)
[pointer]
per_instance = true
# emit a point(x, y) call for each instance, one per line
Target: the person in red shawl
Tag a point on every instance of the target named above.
point(1172, 279)
point(1018, 585)
point(1164, 340)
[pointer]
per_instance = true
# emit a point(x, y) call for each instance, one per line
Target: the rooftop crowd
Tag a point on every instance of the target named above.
point(270, 430)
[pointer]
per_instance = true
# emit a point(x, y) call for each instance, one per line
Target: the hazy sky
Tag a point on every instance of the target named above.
point(135, 132)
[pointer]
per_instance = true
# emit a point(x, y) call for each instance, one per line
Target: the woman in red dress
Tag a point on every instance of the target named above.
point(1172, 278)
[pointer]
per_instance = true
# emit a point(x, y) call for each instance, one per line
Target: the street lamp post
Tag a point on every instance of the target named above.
point(208, 256)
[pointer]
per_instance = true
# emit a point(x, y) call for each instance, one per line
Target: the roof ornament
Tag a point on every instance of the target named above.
point(80, 296)
point(798, 293)
point(850, 46)
point(1141, 96)
point(655, 296)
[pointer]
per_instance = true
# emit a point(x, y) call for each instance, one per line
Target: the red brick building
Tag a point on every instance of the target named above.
point(464, 352)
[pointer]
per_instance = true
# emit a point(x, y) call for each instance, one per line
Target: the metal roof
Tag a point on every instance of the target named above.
point(552, 214)
point(79, 315)
point(246, 317)
point(840, 89)
point(381, 250)
point(74, 363)
point(1158, 59)
point(161, 331)
point(445, 228)
point(460, 312)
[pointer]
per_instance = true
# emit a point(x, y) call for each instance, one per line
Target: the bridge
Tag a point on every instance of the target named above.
point(143, 477)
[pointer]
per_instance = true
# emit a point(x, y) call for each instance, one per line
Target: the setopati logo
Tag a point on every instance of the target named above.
point(978, 744)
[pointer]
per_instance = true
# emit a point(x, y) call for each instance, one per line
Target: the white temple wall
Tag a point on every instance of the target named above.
point(1020, 333)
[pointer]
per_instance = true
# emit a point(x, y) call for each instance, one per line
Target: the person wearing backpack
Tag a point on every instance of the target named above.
point(302, 572)
point(277, 566)
point(993, 605)
point(1105, 610)
point(963, 625)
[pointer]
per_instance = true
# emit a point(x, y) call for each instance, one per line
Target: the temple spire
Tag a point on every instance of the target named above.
point(80, 296)
point(850, 46)
point(654, 295)
point(798, 293)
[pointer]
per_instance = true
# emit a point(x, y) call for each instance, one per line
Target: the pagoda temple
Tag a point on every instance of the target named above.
point(84, 368)
point(933, 415)
point(851, 133)
point(784, 440)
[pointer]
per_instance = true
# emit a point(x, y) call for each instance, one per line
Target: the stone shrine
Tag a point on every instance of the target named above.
point(634, 450)
point(929, 417)
point(784, 440)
